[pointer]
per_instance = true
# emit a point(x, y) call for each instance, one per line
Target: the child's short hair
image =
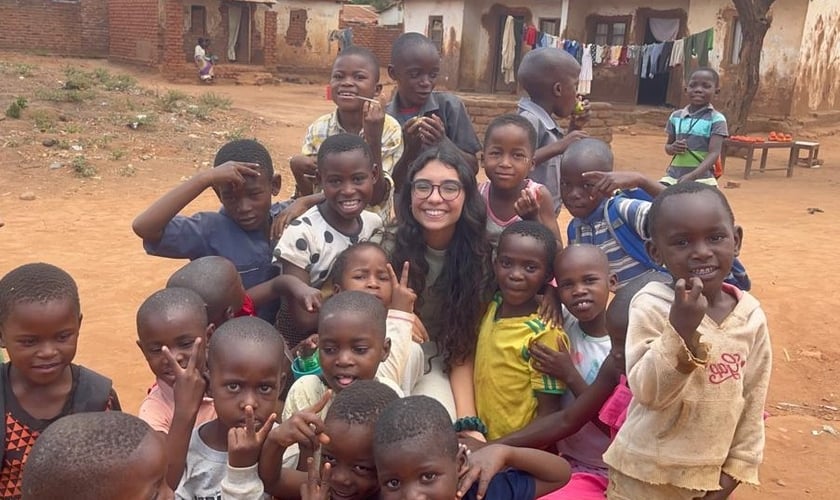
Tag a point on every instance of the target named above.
point(364, 53)
point(538, 70)
point(342, 143)
point(171, 300)
point(37, 282)
point(247, 329)
point(711, 71)
point(355, 302)
point(420, 419)
point(205, 276)
point(516, 120)
point(407, 41)
point(533, 229)
point(684, 188)
point(589, 149)
point(247, 151)
point(84, 455)
point(361, 403)
point(340, 263)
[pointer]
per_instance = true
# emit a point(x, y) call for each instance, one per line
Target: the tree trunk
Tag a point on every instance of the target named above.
point(743, 80)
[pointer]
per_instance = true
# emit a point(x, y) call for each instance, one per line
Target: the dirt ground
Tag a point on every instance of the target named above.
point(84, 226)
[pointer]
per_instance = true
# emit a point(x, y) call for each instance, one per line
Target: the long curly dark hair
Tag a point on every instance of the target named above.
point(467, 271)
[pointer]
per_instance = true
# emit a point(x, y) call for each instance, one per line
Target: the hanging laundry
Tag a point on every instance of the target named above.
point(677, 53)
point(585, 79)
point(635, 56)
point(623, 57)
point(697, 45)
point(615, 55)
point(599, 54)
point(508, 51)
point(344, 37)
point(530, 36)
point(541, 40)
point(665, 59)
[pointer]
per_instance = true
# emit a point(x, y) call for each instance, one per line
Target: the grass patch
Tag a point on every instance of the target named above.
point(16, 108)
point(61, 95)
point(118, 154)
point(43, 120)
point(78, 79)
point(127, 171)
point(119, 83)
point(200, 112)
point(73, 128)
point(82, 168)
point(235, 134)
point(171, 100)
point(212, 100)
point(19, 69)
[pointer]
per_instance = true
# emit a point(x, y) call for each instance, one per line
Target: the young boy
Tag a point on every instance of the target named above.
point(549, 75)
point(698, 361)
point(351, 345)
point(509, 391)
point(427, 117)
point(40, 318)
point(247, 367)
point(243, 179)
point(696, 132)
point(355, 87)
point(417, 456)
point(347, 463)
point(309, 246)
point(97, 456)
point(365, 267)
point(217, 282)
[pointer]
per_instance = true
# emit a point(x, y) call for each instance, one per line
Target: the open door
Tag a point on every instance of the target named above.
point(499, 85)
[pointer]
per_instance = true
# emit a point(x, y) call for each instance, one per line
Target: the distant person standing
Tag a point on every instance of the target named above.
point(203, 61)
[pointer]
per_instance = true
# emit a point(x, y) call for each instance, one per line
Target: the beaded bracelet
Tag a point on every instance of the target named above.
point(470, 424)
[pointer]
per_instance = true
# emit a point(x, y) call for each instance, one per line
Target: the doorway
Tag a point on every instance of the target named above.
point(239, 32)
point(653, 91)
point(499, 85)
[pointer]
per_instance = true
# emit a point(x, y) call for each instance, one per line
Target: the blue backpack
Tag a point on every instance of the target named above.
point(634, 245)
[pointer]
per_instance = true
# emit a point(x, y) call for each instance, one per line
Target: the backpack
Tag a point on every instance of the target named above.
point(92, 393)
point(633, 243)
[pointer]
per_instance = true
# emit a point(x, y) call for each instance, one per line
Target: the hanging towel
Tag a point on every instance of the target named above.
point(508, 51)
point(599, 54)
point(530, 36)
point(664, 30)
point(623, 57)
point(677, 53)
point(585, 79)
point(615, 55)
point(541, 39)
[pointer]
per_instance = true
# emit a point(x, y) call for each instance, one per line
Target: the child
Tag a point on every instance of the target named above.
point(509, 391)
point(698, 361)
point(97, 456)
point(172, 324)
point(40, 318)
point(509, 195)
point(365, 267)
point(549, 75)
point(347, 458)
point(417, 456)
point(354, 86)
point(243, 179)
point(696, 132)
point(310, 245)
point(427, 117)
point(216, 281)
point(247, 367)
point(351, 345)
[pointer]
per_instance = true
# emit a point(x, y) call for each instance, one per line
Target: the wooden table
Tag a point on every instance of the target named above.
point(751, 147)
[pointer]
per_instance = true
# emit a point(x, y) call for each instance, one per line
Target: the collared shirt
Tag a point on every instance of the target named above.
point(696, 129)
point(546, 173)
point(451, 111)
point(215, 233)
point(392, 149)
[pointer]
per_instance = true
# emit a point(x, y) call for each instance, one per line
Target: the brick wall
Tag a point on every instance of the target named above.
point(135, 31)
point(296, 32)
point(173, 37)
point(95, 30)
point(483, 108)
point(42, 25)
point(270, 30)
point(378, 39)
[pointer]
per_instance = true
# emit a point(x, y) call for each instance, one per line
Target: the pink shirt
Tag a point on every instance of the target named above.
point(158, 408)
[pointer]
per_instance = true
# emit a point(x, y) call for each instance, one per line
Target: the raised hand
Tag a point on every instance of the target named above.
point(304, 427)
point(374, 121)
point(245, 443)
point(317, 483)
point(432, 130)
point(233, 173)
point(402, 296)
point(571, 137)
point(190, 384)
point(607, 183)
point(557, 364)
point(483, 464)
point(527, 206)
point(306, 347)
point(688, 309)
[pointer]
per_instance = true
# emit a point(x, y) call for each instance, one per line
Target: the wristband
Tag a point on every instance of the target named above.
point(470, 424)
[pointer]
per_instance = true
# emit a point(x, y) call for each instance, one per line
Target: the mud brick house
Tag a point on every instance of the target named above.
point(800, 68)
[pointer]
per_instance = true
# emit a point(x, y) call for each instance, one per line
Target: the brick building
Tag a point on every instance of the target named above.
point(78, 28)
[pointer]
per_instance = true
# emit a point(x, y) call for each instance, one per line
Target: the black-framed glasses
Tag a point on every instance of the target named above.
point(448, 190)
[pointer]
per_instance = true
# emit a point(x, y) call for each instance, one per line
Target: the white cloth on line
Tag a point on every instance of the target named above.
point(664, 30)
point(509, 51)
point(585, 79)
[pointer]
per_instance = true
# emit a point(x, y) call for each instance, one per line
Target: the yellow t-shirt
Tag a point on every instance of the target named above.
point(506, 383)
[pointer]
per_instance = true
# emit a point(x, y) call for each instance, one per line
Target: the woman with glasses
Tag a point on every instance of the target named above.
point(440, 232)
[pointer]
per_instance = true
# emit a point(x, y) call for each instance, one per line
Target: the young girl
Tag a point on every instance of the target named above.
point(440, 233)
point(509, 195)
point(698, 361)
point(310, 245)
